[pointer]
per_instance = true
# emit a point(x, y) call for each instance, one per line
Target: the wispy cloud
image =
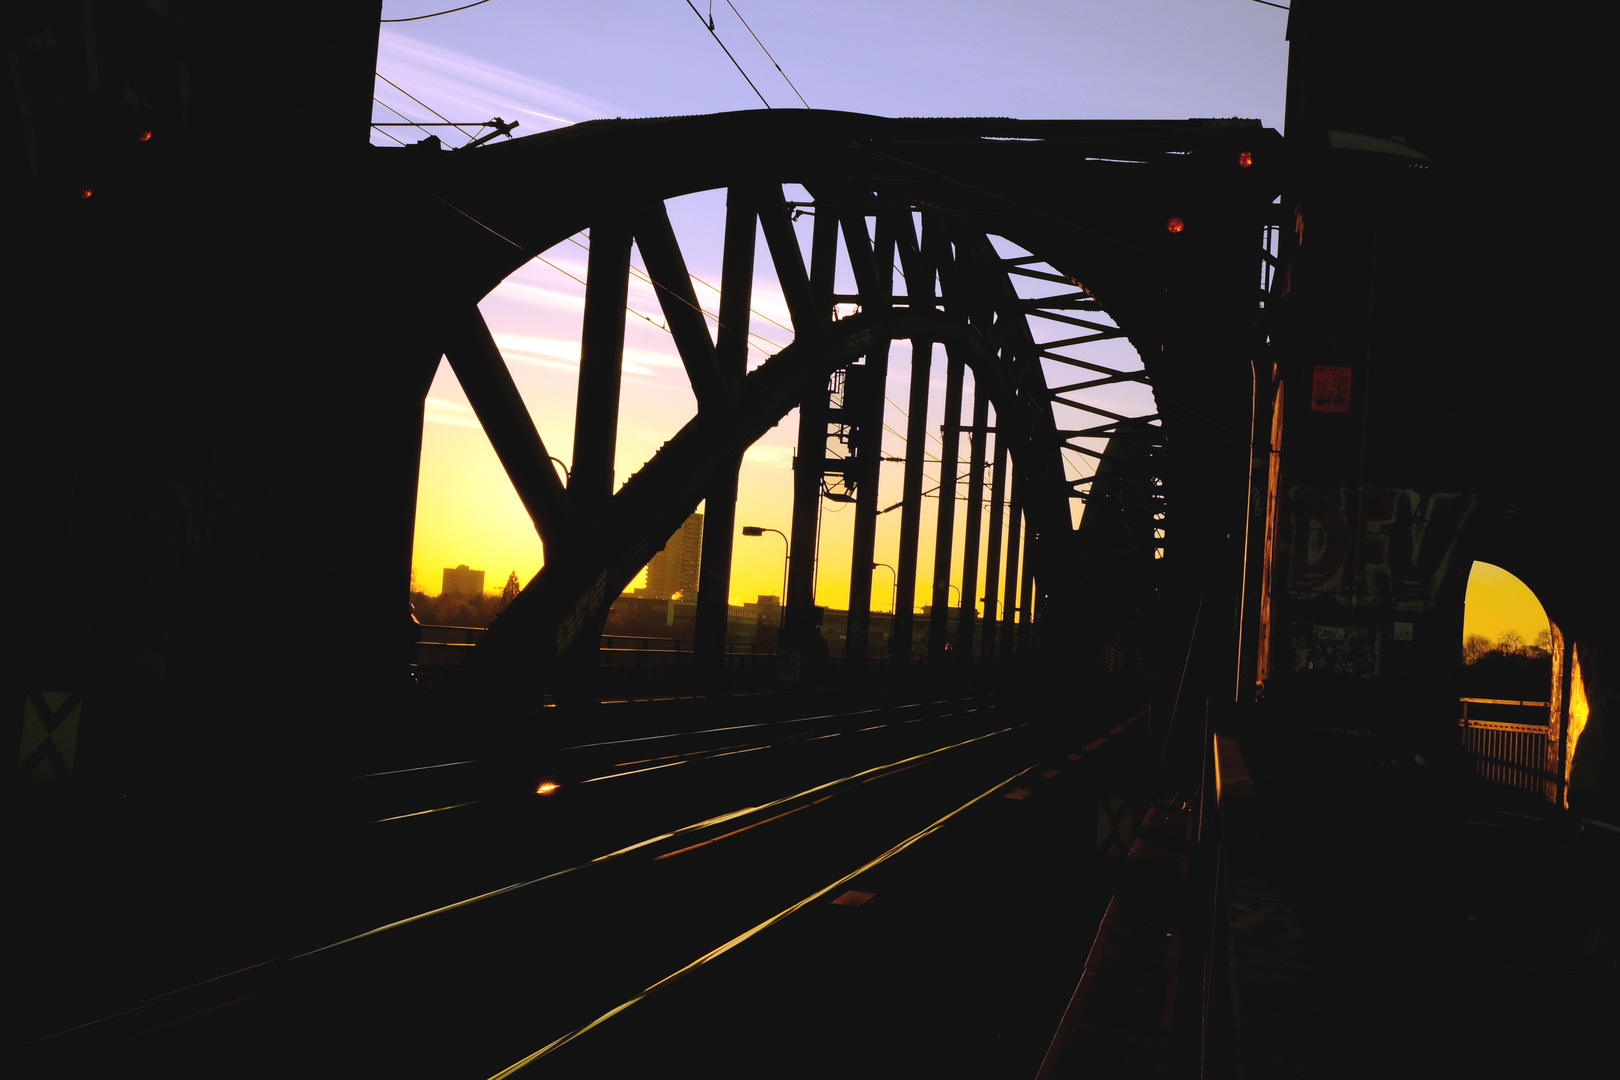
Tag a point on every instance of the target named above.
point(645, 361)
point(462, 88)
point(452, 413)
point(560, 353)
point(563, 353)
point(766, 456)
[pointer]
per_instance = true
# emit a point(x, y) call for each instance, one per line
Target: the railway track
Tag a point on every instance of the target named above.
point(482, 935)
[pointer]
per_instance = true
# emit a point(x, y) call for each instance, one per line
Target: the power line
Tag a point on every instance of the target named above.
point(644, 276)
point(710, 24)
point(763, 49)
point(396, 112)
point(408, 121)
point(422, 103)
point(436, 14)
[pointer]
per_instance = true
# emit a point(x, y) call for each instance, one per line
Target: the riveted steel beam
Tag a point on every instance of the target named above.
point(874, 272)
point(919, 275)
point(992, 560)
point(601, 363)
point(655, 237)
point(731, 357)
point(965, 628)
point(478, 366)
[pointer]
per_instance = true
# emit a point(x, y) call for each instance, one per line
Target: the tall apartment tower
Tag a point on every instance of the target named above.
point(462, 580)
point(675, 569)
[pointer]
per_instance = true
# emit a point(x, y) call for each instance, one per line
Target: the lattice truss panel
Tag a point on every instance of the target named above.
point(798, 290)
point(1095, 382)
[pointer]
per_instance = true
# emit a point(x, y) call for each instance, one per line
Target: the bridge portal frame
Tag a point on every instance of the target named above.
point(1187, 309)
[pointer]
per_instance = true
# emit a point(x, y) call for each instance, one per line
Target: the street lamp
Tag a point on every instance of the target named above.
point(756, 530)
point(894, 583)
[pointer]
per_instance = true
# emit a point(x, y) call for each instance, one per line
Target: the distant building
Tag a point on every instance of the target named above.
point(675, 569)
point(462, 580)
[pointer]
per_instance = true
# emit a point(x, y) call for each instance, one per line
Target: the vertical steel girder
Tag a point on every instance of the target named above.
point(601, 361)
point(919, 277)
point(798, 619)
point(945, 522)
point(874, 278)
point(731, 358)
point(992, 561)
point(1014, 602)
point(970, 540)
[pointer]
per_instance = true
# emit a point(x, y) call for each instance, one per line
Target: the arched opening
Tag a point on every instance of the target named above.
point(1508, 720)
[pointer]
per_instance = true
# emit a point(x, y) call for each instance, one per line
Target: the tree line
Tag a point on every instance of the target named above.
point(462, 609)
point(1508, 668)
point(1478, 647)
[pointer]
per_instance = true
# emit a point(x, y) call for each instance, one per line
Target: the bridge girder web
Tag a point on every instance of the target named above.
point(596, 539)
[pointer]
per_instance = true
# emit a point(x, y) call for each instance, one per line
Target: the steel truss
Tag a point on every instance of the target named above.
point(873, 183)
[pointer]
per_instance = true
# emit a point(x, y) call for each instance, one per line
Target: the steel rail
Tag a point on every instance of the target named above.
point(226, 985)
point(758, 928)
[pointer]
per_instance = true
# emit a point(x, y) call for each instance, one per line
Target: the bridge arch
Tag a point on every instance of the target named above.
point(871, 181)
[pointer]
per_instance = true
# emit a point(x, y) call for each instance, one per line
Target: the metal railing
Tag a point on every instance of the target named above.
point(1511, 754)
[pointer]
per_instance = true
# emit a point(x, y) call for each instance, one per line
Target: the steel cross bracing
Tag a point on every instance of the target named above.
point(872, 183)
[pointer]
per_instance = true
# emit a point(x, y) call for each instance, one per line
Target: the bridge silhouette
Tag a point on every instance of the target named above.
point(1268, 572)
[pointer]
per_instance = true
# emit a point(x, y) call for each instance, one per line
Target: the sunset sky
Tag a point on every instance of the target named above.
point(546, 65)
point(1499, 602)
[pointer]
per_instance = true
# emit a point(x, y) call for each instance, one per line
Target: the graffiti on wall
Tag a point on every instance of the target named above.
point(1337, 650)
point(1384, 545)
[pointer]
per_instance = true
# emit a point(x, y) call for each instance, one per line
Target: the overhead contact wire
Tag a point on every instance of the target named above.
point(766, 51)
point(710, 24)
point(424, 105)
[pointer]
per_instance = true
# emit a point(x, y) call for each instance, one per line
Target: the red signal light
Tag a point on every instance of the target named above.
point(145, 136)
point(1175, 225)
point(84, 193)
point(1245, 159)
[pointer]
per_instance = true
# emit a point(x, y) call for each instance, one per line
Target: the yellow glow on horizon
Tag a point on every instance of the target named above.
point(467, 512)
point(1498, 602)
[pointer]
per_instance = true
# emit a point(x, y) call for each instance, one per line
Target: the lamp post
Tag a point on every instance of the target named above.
point(894, 583)
point(757, 530)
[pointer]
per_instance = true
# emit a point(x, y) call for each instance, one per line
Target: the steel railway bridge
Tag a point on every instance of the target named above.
point(1281, 542)
point(1091, 203)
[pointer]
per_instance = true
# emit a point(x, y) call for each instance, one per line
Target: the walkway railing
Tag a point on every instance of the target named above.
point(1511, 754)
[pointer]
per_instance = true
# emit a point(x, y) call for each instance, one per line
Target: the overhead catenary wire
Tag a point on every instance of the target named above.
point(424, 105)
point(390, 134)
point(766, 51)
point(710, 24)
point(436, 14)
point(402, 116)
point(644, 276)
